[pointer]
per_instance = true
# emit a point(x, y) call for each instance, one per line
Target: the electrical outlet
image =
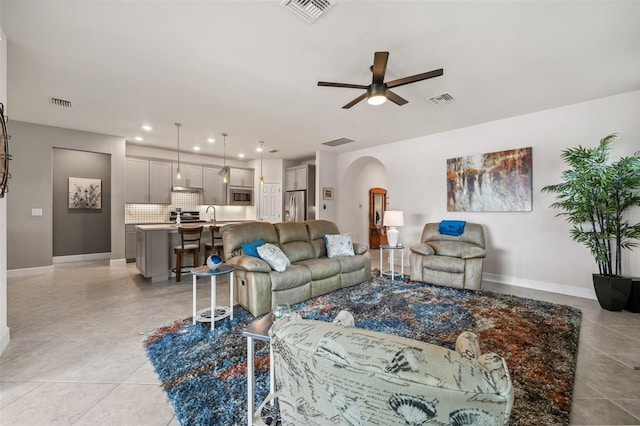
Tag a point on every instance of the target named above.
point(36, 212)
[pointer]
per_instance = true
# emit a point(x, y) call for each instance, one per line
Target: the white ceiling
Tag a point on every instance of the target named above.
point(250, 68)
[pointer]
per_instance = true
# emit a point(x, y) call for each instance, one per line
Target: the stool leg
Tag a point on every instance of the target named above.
point(178, 266)
point(196, 255)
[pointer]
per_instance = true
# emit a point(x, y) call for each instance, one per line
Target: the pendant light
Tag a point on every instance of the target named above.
point(178, 171)
point(225, 170)
point(260, 149)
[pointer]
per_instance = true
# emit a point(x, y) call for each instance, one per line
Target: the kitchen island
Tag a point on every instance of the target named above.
point(155, 258)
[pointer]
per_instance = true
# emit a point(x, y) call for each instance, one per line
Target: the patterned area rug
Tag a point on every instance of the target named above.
point(204, 373)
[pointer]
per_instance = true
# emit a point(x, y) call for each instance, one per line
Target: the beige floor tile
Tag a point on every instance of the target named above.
point(54, 404)
point(631, 405)
point(130, 404)
point(11, 391)
point(588, 411)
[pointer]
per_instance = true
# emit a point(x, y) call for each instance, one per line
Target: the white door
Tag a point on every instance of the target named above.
point(271, 202)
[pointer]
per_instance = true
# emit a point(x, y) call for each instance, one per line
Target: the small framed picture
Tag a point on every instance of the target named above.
point(327, 193)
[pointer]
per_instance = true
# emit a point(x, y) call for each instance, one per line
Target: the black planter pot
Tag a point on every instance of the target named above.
point(612, 292)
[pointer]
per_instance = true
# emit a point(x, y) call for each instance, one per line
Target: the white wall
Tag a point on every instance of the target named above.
point(531, 249)
point(4, 329)
point(326, 177)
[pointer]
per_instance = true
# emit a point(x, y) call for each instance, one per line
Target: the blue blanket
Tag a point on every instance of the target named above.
point(452, 227)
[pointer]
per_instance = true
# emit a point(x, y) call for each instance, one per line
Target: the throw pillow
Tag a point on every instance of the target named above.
point(338, 245)
point(251, 249)
point(274, 257)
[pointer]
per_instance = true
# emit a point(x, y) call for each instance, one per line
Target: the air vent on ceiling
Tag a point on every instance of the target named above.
point(61, 102)
point(338, 142)
point(309, 10)
point(272, 151)
point(441, 99)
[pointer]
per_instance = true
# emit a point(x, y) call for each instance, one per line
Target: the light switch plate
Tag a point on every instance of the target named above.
point(36, 212)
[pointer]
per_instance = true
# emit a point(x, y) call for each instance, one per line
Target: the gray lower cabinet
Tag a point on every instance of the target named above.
point(130, 239)
point(152, 257)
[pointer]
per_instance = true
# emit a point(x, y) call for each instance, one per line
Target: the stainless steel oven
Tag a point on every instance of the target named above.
point(240, 197)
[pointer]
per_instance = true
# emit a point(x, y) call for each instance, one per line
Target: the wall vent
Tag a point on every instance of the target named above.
point(338, 142)
point(272, 151)
point(309, 10)
point(441, 99)
point(61, 102)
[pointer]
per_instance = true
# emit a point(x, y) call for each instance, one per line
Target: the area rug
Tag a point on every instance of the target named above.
point(204, 372)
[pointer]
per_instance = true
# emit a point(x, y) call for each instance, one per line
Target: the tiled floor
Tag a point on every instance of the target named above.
point(76, 356)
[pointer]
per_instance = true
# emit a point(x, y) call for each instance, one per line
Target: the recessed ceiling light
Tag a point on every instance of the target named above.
point(139, 138)
point(196, 148)
point(241, 155)
point(147, 127)
point(211, 140)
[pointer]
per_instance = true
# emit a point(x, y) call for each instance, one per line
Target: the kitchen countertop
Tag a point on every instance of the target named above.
point(172, 227)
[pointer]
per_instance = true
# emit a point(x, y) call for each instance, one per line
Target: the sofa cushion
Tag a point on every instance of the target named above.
point(444, 264)
point(339, 245)
point(457, 249)
point(274, 257)
point(351, 263)
point(236, 234)
point(251, 249)
point(293, 239)
point(317, 229)
point(294, 276)
point(423, 249)
point(321, 268)
point(249, 263)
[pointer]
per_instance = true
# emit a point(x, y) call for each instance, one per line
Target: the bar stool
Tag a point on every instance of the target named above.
point(189, 244)
point(212, 247)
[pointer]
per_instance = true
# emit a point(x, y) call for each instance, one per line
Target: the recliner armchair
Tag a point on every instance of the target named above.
point(454, 261)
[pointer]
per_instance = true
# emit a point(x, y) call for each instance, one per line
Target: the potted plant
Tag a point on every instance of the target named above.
point(595, 197)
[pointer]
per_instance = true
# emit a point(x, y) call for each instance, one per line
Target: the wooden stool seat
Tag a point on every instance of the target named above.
point(189, 244)
point(214, 247)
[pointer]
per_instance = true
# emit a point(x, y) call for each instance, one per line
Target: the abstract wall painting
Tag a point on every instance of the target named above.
point(85, 194)
point(491, 182)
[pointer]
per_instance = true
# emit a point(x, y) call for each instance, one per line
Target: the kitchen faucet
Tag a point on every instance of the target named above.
point(214, 213)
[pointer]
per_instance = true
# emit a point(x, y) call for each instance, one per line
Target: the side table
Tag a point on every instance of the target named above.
point(257, 330)
point(204, 271)
point(391, 273)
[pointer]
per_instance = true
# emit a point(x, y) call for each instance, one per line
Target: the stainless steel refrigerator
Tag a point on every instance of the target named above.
point(299, 206)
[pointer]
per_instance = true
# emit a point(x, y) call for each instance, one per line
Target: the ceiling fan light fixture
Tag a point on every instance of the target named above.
point(376, 94)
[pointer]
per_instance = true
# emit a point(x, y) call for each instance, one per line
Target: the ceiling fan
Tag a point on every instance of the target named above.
point(378, 91)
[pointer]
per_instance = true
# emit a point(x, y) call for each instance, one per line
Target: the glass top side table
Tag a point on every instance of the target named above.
point(391, 272)
point(223, 311)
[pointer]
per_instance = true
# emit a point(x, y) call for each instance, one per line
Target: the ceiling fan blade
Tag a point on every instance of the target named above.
point(355, 101)
point(348, 86)
point(414, 78)
point(398, 100)
point(379, 67)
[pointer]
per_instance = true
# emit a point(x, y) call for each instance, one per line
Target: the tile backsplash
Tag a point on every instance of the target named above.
point(187, 201)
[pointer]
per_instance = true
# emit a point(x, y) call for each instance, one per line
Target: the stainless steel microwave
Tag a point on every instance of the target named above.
point(240, 197)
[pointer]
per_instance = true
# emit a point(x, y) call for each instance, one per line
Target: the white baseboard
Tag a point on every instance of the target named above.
point(81, 257)
point(587, 293)
point(118, 263)
point(11, 273)
point(4, 339)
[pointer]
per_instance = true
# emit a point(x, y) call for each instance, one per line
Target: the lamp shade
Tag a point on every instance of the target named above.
point(393, 218)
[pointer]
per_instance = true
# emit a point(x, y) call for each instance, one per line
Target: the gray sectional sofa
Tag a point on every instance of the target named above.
point(259, 288)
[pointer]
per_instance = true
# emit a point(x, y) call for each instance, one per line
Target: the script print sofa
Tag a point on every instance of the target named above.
point(259, 288)
point(331, 374)
point(453, 261)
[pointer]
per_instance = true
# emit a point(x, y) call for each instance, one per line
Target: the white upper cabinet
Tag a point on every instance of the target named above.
point(137, 181)
point(241, 177)
point(212, 186)
point(159, 182)
point(296, 178)
point(190, 176)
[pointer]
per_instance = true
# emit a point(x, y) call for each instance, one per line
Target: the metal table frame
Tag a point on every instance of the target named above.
point(391, 273)
point(257, 330)
point(204, 271)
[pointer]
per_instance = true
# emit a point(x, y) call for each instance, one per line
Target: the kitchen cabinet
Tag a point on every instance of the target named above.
point(213, 188)
point(152, 255)
point(147, 181)
point(241, 177)
point(190, 176)
point(130, 241)
point(296, 177)
point(159, 182)
point(137, 180)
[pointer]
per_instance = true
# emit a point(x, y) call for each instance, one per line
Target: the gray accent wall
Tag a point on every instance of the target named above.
point(80, 231)
point(30, 238)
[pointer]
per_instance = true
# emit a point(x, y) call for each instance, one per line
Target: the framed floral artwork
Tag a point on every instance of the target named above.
point(85, 194)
